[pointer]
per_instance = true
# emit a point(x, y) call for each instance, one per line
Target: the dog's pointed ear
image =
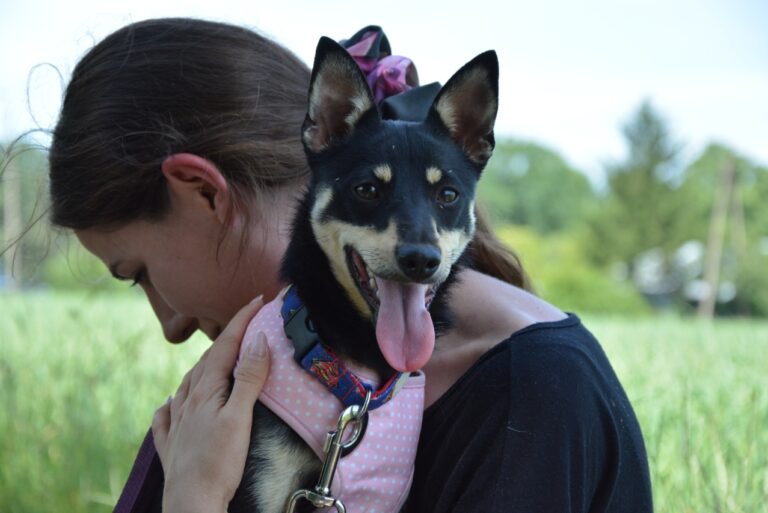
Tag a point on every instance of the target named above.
point(466, 106)
point(339, 96)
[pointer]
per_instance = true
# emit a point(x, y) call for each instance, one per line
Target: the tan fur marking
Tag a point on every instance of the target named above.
point(281, 477)
point(376, 248)
point(434, 175)
point(383, 173)
point(447, 113)
point(336, 104)
point(323, 198)
point(452, 243)
point(446, 106)
point(361, 104)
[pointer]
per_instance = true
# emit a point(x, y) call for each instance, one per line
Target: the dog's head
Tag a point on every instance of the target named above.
point(392, 202)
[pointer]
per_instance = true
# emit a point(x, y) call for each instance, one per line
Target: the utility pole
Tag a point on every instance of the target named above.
point(716, 238)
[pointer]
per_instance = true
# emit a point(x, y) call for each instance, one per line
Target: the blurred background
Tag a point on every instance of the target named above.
point(630, 175)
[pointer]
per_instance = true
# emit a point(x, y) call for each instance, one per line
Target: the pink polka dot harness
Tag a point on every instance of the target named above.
point(376, 476)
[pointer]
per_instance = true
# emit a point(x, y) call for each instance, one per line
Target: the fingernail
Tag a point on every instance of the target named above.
point(170, 398)
point(258, 299)
point(259, 347)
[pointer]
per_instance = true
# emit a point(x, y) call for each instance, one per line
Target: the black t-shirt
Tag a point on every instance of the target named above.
point(539, 424)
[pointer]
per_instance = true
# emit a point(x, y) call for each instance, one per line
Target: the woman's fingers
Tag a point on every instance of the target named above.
point(201, 441)
point(161, 424)
point(250, 375)
point(214, 366)
point(223, 355)
point(179, 398)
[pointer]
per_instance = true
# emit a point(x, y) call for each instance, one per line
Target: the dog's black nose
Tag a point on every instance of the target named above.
point(418, 261)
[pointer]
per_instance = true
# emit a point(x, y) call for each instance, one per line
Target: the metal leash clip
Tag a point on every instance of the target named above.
point(333, 449)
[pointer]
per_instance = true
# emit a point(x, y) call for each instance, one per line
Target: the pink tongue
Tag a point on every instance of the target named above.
point(404, 327)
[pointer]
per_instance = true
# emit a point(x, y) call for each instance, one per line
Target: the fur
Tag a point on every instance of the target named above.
point(387, 190)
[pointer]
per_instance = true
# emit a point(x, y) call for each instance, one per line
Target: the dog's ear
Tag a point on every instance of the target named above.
point(339, 96)
point(466, 106)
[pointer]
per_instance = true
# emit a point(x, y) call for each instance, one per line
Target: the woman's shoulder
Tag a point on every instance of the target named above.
point(548, 362)
point(540, 403)
point(529, 396)
point(485, 307)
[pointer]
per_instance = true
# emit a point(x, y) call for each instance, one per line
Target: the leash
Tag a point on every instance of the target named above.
point(334, 448)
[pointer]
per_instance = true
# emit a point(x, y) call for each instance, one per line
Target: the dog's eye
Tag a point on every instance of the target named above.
point(367, 191)
point(447, 195)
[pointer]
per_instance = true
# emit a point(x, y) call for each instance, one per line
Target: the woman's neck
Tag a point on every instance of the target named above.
point(486, 311)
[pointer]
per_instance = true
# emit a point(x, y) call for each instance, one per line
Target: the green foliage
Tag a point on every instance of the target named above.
point(23, 168)
point(641, 209)
point(702, 181)
point(71, 267)
point(752, 285)
point(80, 378)
point(746, 245)
point(528, 184)
point(562, 275)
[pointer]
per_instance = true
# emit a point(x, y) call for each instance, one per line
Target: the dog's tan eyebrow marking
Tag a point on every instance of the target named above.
point(434, 175)
point(383, 173)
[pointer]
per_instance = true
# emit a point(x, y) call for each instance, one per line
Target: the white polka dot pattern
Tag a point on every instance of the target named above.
point(376, 476)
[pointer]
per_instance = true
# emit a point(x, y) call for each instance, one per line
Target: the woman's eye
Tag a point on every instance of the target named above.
point(139, 277)
point(367, 191)
point(447, 195)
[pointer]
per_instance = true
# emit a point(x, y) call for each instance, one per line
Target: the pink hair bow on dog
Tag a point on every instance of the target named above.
point(387, 74)
point(392, 78)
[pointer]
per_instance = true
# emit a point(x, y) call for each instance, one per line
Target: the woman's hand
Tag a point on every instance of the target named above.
point(202, 434)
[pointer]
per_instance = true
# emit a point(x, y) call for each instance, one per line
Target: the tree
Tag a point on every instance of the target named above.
point(641, 209)
point(528, 184)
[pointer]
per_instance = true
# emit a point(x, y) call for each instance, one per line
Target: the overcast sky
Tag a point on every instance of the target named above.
point(571, 72)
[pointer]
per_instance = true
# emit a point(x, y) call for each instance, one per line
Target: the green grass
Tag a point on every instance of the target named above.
point(700, 390)
point(81, 376)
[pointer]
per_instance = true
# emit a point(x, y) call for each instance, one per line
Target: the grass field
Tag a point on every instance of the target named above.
point(80, 378)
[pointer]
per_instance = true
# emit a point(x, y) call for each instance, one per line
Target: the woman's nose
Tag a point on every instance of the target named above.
point(176, 327)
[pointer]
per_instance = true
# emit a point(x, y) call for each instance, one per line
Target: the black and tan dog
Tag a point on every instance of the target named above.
point(384, 224)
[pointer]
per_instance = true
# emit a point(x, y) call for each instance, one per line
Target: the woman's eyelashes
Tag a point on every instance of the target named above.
point(135, 278)
point(139, 277)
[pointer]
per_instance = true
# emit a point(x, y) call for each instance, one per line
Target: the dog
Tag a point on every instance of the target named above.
point(384, 224)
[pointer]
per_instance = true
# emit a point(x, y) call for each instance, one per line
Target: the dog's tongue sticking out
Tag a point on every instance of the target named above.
point(404, 327)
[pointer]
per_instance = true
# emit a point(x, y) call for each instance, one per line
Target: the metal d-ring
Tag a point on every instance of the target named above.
point(334, 449)
point(361, 423)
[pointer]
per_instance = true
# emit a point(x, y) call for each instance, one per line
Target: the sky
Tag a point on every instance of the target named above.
point(571, 73)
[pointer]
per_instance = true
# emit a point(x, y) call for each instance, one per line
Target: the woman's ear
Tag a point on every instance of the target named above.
point(197, 182)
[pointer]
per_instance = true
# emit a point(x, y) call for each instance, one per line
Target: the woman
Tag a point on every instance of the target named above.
point(176, 160)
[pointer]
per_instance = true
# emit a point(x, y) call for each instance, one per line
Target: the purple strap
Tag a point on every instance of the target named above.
point(143, 491)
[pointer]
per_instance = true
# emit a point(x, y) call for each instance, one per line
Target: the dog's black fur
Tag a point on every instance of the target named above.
point(345, 140)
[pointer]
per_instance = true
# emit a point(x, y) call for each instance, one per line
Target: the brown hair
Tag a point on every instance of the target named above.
point(490, 256)
point(165, 86)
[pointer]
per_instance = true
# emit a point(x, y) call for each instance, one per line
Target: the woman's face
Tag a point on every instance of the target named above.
point(192, 277)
